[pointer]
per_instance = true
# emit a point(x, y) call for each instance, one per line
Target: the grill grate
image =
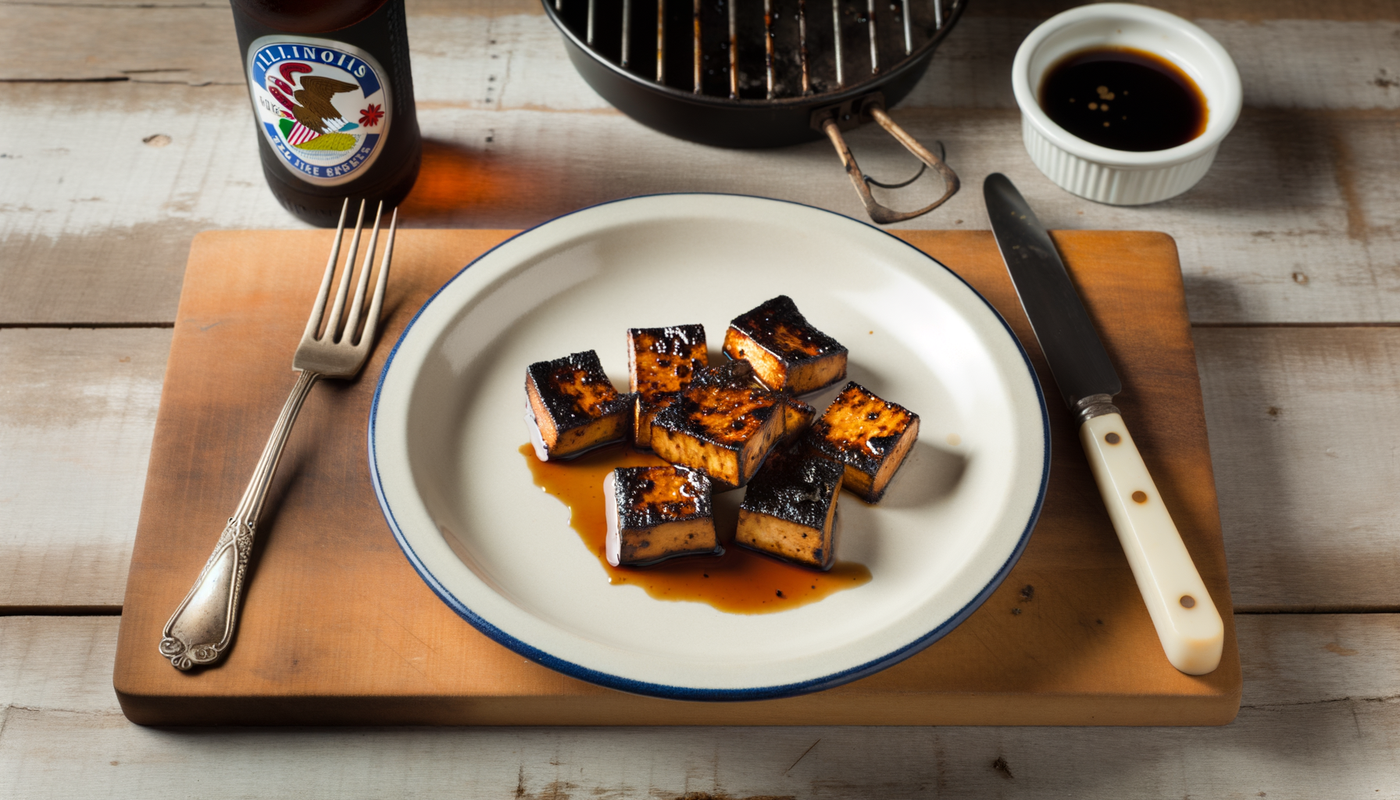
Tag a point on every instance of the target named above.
point(744, 51)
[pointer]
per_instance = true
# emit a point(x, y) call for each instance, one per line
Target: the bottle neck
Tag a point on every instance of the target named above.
point(308, 16)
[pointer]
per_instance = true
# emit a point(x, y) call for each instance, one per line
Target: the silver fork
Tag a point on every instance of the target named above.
point(200, 630)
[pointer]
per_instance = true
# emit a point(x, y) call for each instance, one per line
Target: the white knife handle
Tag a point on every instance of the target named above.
point(1186, 619)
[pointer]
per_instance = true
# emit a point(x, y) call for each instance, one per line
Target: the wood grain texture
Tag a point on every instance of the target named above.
point(119, 43)
point(1319, 719)
point(514, 46)
point(77, 410)
point(1295, 223)
point(1325, 546)
point(1082, 650)
point(1333, 522)
point(1306, 659)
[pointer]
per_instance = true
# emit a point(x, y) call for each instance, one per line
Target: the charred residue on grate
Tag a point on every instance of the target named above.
point(755, 49)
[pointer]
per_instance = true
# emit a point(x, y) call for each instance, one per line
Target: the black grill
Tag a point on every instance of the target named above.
point(763, 73)
point(758, 50)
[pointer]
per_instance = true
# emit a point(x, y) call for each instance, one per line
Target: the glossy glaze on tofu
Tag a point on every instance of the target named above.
point(789, 509)
point(787, 352)
point(797, 418)
point(723, 423)
point(867, 434)
point(573, 407)
point(656, 513)
point(660, 363)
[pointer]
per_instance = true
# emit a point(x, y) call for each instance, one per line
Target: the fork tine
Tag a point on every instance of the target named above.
point(333, 324)
point(313, 325)
point(352, 322)
point(372, 322)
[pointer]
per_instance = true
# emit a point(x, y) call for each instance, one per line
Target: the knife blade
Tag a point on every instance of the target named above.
point(1187, 621)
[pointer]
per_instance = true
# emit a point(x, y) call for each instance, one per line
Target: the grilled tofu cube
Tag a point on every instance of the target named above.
point(723, 423)
point(573, 407)
point(661, 362)
point(868, 435)
point(643, 415)
point(656, 513)
point(797, 418)
point(789, 510)
point(787, 353)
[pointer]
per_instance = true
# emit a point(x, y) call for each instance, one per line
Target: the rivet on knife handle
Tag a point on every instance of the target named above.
point(1186, 619)
point(1187, 622)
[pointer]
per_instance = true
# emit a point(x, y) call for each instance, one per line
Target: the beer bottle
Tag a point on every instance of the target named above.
point(332, 97)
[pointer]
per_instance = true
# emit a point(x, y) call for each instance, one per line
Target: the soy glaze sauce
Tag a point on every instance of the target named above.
point(738, 582)
point(1124, 99)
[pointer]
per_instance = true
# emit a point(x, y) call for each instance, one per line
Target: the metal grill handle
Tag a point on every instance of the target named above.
point(882, 214)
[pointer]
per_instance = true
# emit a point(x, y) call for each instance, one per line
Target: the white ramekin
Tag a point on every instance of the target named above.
point(1119, 177)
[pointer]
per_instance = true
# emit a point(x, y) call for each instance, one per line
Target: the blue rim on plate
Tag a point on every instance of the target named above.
point(759, 689)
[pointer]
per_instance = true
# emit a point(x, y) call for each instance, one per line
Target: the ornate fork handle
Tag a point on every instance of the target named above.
point(201, 628)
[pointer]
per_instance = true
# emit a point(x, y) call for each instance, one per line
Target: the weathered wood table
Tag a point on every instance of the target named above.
point(125, 132)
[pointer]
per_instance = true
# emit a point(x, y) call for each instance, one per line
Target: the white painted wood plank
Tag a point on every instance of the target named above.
point(1293, 659)
point(459, 52)
point(1304, 429)
point(62, 663)
point(481, 58)
point(1297, 222)
point(188, 44)
point(77, 412)
point(98, 219)
point(62, 735)
point(1287, 659)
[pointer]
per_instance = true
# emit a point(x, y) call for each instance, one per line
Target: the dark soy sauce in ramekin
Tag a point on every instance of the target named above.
point(1124, 99)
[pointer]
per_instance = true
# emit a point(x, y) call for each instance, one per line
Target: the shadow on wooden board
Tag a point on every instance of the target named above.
point(339, 629)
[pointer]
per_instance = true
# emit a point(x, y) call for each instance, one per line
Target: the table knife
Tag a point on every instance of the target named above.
point(1187, 621)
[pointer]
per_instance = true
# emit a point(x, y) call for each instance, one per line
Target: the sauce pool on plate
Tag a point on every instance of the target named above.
point(739, 582)
point(1124, 99)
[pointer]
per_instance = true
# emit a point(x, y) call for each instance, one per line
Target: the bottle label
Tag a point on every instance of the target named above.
point(323, 105)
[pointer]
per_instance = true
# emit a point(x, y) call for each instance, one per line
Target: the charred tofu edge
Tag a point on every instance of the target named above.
point(729, 462)
point(683, 343)
point(867, 475)
point(655, 388)
point(881, 480)
point(570, 424)
point(642, 415)
point(801, 531)
point(767, 336)
point(728, 465)
point(671, 532)
point(770, 368)
point(797, 418)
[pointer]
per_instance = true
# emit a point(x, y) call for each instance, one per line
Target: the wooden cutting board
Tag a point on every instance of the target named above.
point(337, 627)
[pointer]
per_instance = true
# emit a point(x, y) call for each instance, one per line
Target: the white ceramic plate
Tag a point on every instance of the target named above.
point(446, 426)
